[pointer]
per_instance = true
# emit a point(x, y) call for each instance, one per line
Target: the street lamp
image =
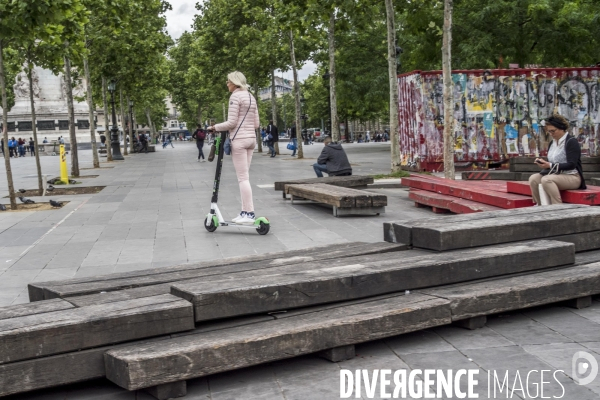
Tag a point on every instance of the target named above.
point(326, 77)
point(114, 132)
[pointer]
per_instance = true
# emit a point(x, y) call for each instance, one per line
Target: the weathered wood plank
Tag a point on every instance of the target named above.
point(40, 307)
point(113, 282)
point(583, 241)
point(56, 332)
point(36, 290)
point(589, 196)
point(322, 194)
point(512, 293)
point(337, 196)
point(467, 191)
point(450, 203)
point(490, 175)
point(77, 366)
point(217, 274)
point(506, 229)
point(344, 181)
point(401, 231)
point(193, 356)
point(353, 280)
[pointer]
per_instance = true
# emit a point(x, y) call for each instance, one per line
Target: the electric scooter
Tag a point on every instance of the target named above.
point(214, 219)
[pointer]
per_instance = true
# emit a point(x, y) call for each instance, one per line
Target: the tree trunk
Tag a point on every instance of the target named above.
point(106, 132)
point(34, 129)
point(130, 126)
point(9, 178)
point(296, 97)
point(150, 124)
point(274, 108)
point(90, 101)
point(335, 123)
point(393, 77)
point(199, 115)
point(448, 92)
point(123, 122)
point(72, 136)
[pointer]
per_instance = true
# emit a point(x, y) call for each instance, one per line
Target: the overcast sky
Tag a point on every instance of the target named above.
point(181, 18)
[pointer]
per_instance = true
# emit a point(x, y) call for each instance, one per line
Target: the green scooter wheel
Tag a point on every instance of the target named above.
point(263, 228)
point(212, 227)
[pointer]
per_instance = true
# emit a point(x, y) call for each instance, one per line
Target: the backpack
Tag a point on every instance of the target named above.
point(201, 135)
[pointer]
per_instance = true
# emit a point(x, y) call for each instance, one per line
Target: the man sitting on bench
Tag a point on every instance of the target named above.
point(333, 160)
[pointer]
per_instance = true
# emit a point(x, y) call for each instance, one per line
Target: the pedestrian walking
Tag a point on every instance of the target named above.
point(263, 135)
point(31, 147)
point(200, 136)
point(272, 137)
point(242, 122)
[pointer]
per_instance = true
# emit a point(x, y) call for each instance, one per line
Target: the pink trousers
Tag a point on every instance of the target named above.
point(241, 154)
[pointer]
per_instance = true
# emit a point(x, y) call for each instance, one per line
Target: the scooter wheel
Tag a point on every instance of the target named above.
point(211, 227)
point(263, 228)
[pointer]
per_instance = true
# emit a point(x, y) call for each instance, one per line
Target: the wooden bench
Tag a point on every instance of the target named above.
point(251, 294)
point(570, 222)
point(345, 201)
point(589, 196)
point(149, 282)
point(353, 181)
point(317, 328)
point(440, 203)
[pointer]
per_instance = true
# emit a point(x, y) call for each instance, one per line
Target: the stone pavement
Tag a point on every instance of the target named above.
point(150, 215)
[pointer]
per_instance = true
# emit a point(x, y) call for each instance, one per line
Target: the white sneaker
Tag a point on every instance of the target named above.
point(239, 217)
point(247, 219)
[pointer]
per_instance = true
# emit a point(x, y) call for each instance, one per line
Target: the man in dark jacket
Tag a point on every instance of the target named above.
point(333, 160)
point(273, 142)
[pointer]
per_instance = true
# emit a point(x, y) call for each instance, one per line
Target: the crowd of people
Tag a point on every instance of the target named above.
point(19, 147)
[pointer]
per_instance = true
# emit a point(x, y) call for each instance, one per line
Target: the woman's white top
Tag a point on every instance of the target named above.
point(558, 154)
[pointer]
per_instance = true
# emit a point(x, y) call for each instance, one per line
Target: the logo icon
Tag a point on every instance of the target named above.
point(584, 368)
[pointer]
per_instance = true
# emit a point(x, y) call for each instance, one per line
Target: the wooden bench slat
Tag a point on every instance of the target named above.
point(220, 274)
point(345, 181)
point(524, 291)
point(193, 356)
point(506, 229)
point(22, 310)
point(259, 294)
point(55, 332)
point(155, 276)
point(401, 231)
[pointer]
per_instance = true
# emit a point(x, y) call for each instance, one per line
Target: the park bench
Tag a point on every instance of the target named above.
point(143, 283)
point(345, 201)
point(262, 308)
point(339, 326)
point(350, 181)
point(578, 224)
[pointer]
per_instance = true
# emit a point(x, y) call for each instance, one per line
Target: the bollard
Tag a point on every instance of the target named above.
point(64, 176)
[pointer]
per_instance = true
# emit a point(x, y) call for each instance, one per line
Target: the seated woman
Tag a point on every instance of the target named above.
point(562, 171)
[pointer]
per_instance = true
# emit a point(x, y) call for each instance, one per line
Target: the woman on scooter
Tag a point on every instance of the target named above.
point(242, 121)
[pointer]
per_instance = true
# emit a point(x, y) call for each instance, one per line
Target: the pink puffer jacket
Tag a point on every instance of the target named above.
point(238, 105)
